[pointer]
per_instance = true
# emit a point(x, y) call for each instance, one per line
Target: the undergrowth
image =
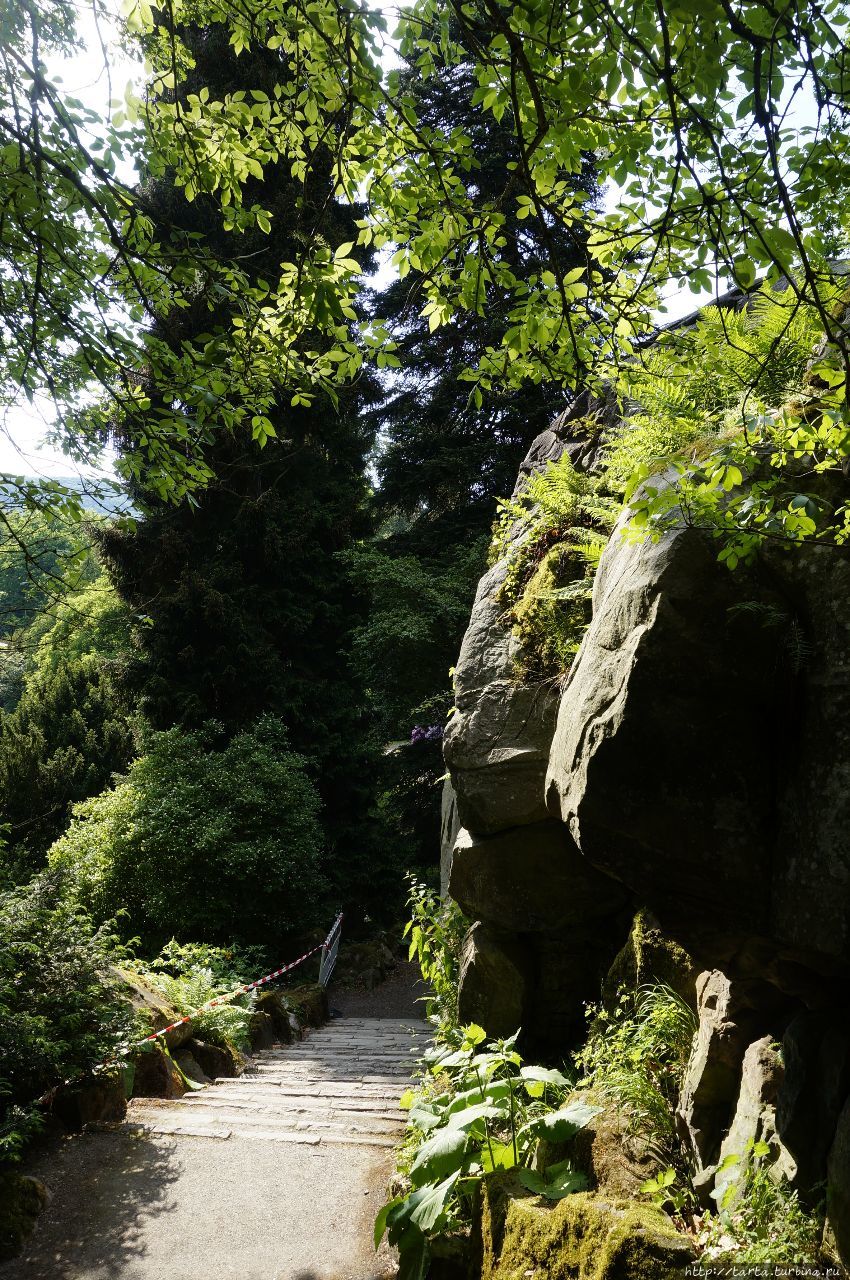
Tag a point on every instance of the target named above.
point(637, 1055)
point(189, 975)
point(760, 1219)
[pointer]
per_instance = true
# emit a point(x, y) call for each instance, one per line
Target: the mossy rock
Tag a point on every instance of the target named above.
point(548, 627)
point(21, 1201)
point(99, 1100)
point(152, 1010)
point(309, 1004)
point(261, 1031)
point(217, 1060)
point(273, 1003)
point(587, 1236)
point(650, 956)
point(616, 1160)
point(156, 1074)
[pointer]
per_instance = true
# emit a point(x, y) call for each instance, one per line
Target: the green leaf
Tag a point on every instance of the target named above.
point(440, 1155)
point(557, 1126)
point(545, 1075)
point(381, 1219)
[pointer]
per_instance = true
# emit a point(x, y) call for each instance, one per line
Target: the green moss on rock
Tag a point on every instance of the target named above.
point(21, 1201)
point(548, 624)
point(650, 956)
point(586, 1236)
point(309, 1004)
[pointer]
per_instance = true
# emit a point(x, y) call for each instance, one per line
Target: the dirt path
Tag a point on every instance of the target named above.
point(276, 1175)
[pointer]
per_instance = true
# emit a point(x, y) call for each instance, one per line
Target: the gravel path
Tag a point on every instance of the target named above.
point(276, 1175)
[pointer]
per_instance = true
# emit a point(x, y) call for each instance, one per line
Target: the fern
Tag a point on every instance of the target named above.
point(693, 386)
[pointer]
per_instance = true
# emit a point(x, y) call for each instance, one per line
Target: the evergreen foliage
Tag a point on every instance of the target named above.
point(247, 605)
point(207, 837)
point(71, 727)
point(60, 1008)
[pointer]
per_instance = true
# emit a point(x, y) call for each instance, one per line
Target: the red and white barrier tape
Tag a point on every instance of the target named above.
point(250, 986)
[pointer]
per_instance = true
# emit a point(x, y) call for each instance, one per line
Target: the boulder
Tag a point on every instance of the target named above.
point(650, 956)
point(731, 1017)
point(152, 1009)
point(754, 1119)
point(586, 1236)
point(495, 979)
point(449, 827)
point(531, 883)
point(156, 1075)
point(701, 756)
point(496, 744)
point(216, 1060)
point(838, 1186)
point(816, 1082)
point(191, 1068)
point(261, 1030)
point(640, 767)
point(529, 879)
point(273, 1003)
point(21, 1201)
point(309, 1003)
point(100, 1099)
point(616, 1159)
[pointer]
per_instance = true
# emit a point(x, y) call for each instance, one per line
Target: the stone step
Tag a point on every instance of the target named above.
point(277, 1095)
point(169, 1125)
point(250, 1106)
point(241, 1118)
point(284, 1082)
point(348, 1062)
point(273, 1102)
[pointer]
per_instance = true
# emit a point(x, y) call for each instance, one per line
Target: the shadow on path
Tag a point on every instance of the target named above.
point(101, 1184)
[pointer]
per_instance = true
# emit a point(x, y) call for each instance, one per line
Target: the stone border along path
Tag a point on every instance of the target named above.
point(274, 1175)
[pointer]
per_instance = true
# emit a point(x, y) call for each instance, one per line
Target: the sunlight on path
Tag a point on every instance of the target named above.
point(276, 1175)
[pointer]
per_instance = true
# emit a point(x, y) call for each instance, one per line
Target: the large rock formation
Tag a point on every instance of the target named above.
point(511, 868)
point(696, 763)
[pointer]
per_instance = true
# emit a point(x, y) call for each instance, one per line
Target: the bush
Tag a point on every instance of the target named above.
point(204, 838)
point(61, 1011)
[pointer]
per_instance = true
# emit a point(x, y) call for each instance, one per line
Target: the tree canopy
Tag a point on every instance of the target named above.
point(717, 126)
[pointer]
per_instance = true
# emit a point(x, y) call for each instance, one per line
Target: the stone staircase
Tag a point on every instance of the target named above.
point(340, 1086)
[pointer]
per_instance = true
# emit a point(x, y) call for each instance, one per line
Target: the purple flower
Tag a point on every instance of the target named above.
point(426, 733)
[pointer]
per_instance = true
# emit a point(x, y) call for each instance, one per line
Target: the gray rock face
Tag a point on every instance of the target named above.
point(731, 1017)
point(816, 1055)
point(495, 979)
point(449, 826)
point(754, 1120)
point(703, 757)
point(696, 765)
point(530, 880)
point(643, 768)
point(497, 743)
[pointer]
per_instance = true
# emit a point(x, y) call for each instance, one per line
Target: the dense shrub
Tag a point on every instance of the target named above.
point(60, 1008)
point(204, 838)
point(71, 726)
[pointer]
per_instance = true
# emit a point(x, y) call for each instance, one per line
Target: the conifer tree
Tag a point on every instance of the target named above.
point(247, 606)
